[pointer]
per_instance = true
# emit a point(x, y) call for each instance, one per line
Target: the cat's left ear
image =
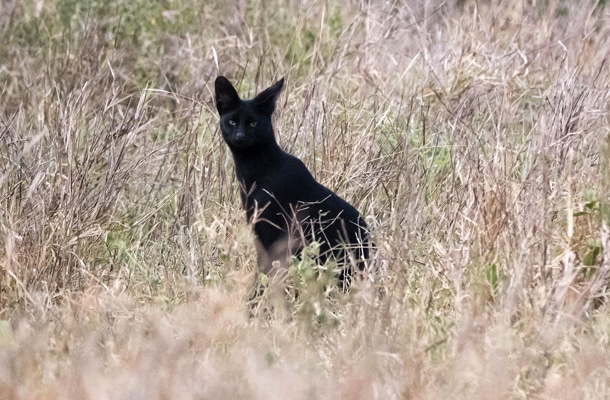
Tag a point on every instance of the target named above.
point(265, 100)
point(227, 98)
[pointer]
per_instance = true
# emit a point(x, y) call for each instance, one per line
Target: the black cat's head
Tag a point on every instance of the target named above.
point(245, 123)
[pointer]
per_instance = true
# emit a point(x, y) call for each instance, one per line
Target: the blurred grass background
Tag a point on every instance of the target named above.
point(472, 135)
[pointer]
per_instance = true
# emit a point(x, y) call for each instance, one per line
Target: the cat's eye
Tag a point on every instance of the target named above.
point(252, 124)
point(232, 122)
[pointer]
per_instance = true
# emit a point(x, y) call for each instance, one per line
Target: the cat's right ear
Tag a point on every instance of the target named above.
point(227, 98)
point(265, 100)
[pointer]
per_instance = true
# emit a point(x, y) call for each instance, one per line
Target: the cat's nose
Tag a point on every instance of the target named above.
point(239, 138)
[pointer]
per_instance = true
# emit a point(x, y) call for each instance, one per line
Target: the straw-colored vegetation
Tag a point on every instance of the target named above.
point(473, 135)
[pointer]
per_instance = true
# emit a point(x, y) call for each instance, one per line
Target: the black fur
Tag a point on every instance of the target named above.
point(282, 199)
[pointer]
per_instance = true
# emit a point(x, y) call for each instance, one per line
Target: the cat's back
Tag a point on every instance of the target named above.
point(292, 174)
point(300, 186)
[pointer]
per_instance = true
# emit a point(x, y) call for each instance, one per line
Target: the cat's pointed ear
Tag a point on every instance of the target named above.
point(227, 98)
point(265, 100)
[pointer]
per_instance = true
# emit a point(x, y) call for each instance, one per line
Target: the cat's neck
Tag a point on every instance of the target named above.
point(257, 162)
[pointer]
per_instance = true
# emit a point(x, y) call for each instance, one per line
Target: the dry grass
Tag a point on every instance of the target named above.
point(474, 136)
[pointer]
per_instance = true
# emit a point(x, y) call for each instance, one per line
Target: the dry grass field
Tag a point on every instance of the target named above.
point(473, 135)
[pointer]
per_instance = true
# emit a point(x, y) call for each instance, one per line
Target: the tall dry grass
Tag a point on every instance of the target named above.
point(474, 136)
